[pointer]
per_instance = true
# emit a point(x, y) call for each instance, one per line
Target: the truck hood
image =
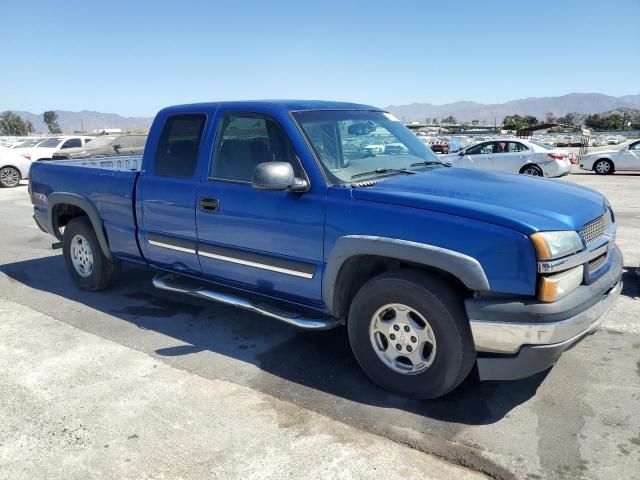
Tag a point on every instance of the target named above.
point(519, 202)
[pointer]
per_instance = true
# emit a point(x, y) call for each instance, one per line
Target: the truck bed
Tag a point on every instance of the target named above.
point(128, 163)
point(108, 184)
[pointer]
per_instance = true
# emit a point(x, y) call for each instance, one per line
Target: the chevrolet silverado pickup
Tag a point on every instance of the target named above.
point(432, 269)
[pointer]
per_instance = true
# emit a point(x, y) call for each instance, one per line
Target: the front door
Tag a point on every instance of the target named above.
point(479, 156)
point(167, 189)
point(630, 159)
point(267, 241)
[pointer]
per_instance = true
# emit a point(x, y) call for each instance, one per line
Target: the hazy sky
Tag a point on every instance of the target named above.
point(134, 57)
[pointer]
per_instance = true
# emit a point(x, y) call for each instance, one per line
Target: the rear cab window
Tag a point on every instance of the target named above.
point(179, 144)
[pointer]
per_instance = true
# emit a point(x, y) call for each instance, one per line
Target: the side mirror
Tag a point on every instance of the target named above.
point(277, 176)
point(461, 154)
point(117, 147)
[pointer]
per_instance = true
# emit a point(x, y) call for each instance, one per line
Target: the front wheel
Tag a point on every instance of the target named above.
point(603, 167)
point(88, 266)
point(410, 334)
point(9, 177)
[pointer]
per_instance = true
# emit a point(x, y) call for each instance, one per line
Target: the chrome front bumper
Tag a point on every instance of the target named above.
point(509, 337)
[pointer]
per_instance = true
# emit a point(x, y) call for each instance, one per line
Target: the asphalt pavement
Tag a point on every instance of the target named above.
point(581, 419)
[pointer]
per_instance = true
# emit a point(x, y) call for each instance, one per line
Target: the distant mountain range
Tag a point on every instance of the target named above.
point(584, 103)
point(90, 121)
point(581, 103)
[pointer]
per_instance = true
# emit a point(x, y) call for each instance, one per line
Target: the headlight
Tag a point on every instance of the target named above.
point(555, 287)
point(550, 245)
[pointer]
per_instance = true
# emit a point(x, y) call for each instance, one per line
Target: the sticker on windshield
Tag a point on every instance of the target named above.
point(390, 117)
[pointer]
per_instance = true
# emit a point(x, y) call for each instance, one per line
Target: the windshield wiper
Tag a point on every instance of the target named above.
point(429, 162)
point(383, 170)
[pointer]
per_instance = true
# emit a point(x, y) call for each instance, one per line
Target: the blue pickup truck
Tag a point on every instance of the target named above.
point(434, 270)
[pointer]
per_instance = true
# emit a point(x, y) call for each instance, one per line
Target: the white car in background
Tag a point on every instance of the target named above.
point(46, 147)
point(627, 157)
point(13, 168)
point(514, 155)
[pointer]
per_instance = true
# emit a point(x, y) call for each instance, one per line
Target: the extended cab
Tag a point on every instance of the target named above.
point(433, 269)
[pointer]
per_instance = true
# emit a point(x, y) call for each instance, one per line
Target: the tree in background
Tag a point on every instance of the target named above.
point(29, 126)
point(51, 119)
point(613, 121)
point(518, 122)
point(12, 124)
point(450, 119)
point(568, 119)
point(550, 118)
point(475, 122)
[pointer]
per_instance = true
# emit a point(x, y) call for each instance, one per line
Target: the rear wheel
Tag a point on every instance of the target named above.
point(533, 170)
point(410, 334)
point(603, 167)
point(88, 266)
point(9, 177)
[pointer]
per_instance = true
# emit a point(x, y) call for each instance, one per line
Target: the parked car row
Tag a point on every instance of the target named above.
point(15, 162)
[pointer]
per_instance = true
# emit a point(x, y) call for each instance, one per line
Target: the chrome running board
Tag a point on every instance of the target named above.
point(171, 284)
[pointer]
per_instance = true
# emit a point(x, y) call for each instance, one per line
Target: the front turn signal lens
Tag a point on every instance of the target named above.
point(554, 287)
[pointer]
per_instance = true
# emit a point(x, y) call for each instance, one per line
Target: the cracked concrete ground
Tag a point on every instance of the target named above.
point(77, 406)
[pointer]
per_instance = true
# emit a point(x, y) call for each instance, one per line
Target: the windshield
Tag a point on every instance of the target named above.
point(50, 142)
point(625, 145)
point(359, 145)
point(102, 141)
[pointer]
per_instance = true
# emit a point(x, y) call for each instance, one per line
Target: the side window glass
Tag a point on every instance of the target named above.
point(246, 140)
point(487, 148)
point(178, 146)
point(72, 143)
point(476, 149)
point(635, 146)
point(516, 147)
point(500, 147)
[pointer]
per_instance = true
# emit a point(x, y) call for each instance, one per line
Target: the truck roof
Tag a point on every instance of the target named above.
point(272, 105)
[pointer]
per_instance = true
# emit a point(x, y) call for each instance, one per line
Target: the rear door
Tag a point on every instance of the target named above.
point(510, 156)
point(125, 145)
point(167, 195)
point(269, 241)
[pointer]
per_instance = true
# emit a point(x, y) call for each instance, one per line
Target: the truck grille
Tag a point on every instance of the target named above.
point(596, 263)
point(595, 229)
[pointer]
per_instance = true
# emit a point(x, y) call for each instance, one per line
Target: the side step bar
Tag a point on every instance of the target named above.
point(169, 283)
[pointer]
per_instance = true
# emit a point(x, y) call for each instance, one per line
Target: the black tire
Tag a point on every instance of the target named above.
point(433, 299)
point(103, 271)
point(532, 170)
point(603, 167)
point(9, 177)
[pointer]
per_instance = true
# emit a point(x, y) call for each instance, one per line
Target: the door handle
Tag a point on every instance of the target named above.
point(209, 204)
